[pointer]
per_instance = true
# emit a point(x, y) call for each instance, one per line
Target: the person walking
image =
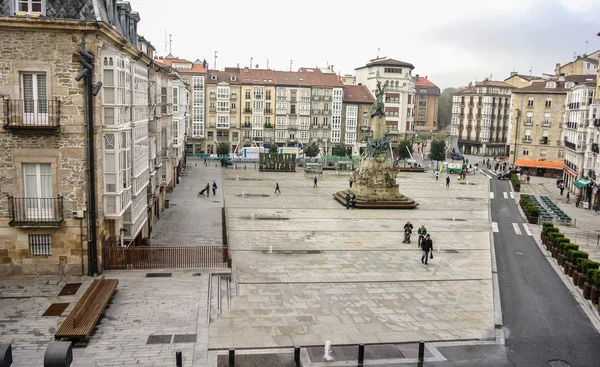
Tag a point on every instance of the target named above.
point(277, 188)
point(528, 178)
point(427, 247)
point(207, 189)
point(437, 175)
point(205, 163)
point(348, 201)
point(315, 182)
point(214, 187)
point(422, 232)
point(568, 196)
point(562, 188)
point(447, 181)
point(353, 201)
point(351, 181)
point(408, 227)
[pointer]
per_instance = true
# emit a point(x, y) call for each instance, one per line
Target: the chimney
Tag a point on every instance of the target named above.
point(246, 69)
point(417, 77)
point(561, 77)
point(513, 73)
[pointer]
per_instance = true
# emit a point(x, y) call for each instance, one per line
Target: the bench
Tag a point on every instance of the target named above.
point(84, 316)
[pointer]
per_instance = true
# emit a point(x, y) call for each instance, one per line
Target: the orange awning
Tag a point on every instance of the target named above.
point(539, 164)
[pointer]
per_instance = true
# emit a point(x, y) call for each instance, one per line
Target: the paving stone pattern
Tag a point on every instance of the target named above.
point(364, 286)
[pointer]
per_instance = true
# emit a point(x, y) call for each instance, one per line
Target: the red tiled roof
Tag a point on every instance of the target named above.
point(257, 76)
point(540, 85)
point(357, 94)
point(223, 76)
point(423, 82)
point(291, 78)
point(196, 68)
point(319, 79)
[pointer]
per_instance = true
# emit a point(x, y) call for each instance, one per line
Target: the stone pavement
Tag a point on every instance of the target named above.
point(140, 308)
point(359, 283)
point(192, 220)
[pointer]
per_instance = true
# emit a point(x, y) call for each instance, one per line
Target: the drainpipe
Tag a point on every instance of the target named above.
point(518, 111)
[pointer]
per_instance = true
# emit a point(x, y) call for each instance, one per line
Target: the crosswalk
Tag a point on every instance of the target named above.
point(505, 195)
point(516, 227)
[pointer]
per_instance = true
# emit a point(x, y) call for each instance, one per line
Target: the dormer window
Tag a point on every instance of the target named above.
point(233, 78)
point(30, 6)
point(213, 76)
point(569, 84)
point(551, 85)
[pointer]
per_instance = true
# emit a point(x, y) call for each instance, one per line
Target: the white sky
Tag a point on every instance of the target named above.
point(451, 42)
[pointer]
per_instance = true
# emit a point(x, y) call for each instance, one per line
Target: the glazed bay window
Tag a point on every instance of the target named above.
point(117, 172)
point(175, 99)
point(198, 106)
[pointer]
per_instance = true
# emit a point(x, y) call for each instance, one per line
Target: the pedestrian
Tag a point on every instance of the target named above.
point(348, 201)
point(351, 181)
point(205, 163)
point(214, 187)
point(315, 182)
point(207, 189)
point(353, 201)
point(277, 188)
point(528, 178)
point(447, 181)
point(427, 248)
point(422, 232)
point(562, 188)
point(568, 197)
point(408, 227)
point(437, 175)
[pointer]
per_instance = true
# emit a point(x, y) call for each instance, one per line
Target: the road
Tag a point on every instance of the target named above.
point(542, 320)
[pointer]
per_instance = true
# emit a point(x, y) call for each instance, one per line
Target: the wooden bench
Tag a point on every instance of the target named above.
point(81, 321)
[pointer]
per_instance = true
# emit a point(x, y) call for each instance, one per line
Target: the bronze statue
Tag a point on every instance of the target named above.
point(378, 106)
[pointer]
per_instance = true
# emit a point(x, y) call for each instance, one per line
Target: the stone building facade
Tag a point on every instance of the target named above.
point(356, 116)
point(427, 101)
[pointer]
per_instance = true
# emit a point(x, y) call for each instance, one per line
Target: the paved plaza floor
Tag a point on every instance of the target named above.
point(344, 275)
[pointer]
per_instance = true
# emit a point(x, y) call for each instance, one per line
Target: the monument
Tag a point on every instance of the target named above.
point(375, 179)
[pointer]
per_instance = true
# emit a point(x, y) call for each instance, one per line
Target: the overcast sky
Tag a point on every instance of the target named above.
point(451, 42)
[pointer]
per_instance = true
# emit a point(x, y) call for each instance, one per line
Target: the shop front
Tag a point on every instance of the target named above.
point(540, 168)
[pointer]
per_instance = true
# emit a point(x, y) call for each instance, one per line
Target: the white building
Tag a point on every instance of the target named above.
point(592, 155)
point(400, 93)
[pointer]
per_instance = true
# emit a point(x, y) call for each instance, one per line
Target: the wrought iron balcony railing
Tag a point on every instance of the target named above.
point(31, 114)
point(35, 212)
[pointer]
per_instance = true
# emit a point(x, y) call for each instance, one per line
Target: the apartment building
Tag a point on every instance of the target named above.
point(535, 136)
point(586, 64)
point(257, 104)
point(193, 74)
point(356, 116)
point(480, 118)
point(400, 93)
point(520, 80)
point(576, 124)
point(45, 184)
point(427, 99)
point(223, 96)
point(293, 125)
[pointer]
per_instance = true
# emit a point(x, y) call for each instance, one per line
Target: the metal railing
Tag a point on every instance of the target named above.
point(35, 211)
point(31, 114)
point(164, 257)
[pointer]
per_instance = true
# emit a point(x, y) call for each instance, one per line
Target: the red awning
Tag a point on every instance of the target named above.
point(539, 164)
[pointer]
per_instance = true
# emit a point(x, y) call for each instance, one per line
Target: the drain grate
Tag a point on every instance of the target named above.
point(53, 282)
point(197, 274)
point(159, 339)
point(558, 363)
point(449, 251)
point(184, 338)
point(56, 309)
point(253, 196)
point(456, 219)
point(158, 275)
point(293, 252)
point(69, 289)
point(216, 201)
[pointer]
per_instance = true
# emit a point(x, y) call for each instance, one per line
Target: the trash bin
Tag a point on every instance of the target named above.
point(166, 203)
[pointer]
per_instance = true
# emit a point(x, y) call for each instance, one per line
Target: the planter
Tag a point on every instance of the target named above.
point(581, 278)
point(566, 266)
point(587, 291)
point(594, 294)
point(572, 268)
point(574, 275)
point(561, 259)
point(553, 251)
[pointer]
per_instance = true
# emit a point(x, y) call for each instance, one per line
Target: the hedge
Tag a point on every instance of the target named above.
point(593, 275)
point(547, 225)
point(584, 265)
point(573, 255)
point(566, 247)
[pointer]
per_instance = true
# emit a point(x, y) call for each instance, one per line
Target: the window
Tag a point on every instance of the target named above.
point(37, 181)
point(29, 6)
point(268, 95)
point(247, 93)
point(35, 104)
point(527, 137)
point(530, 102)
point(529, 118)
point(525, 151)
point(546, 118)
point(40, 245)
point(175, 99)
point(548, 102)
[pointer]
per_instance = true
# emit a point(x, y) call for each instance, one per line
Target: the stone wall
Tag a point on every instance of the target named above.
point(50, 53)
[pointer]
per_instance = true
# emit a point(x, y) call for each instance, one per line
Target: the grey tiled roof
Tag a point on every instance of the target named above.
point(4, 7)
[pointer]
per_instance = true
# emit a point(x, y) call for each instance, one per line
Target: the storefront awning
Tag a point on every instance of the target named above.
point(582, 182)
point(539, 164)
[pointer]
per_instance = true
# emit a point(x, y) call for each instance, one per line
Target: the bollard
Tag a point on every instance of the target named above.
point(244, 166)
point(231, 357)
point(296, 356)
point(421, 350)
point(6, 355)
point(58, 354)
point(361, 354)
point(178, 359)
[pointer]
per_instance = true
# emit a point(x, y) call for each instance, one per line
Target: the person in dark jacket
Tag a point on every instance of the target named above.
point(214, 187)
point(353, 201)
point(426, 246)
point(207, 189)
point(348, 201)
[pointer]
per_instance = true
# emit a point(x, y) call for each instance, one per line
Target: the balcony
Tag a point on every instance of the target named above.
point(570, 145)
point(326, 112)
point(212, 96)
point(268, 111)
point(35, 212)
point(316, 97)
point(247, 110)
point(572, 166)
point(527, 140)
point(233, 96)
point(597, 122)
point(268, 126)
point(326, 98)
point(293, 100)
point(31, 114)
point(528, 123)
point(365, 128)
point(595, 148)
point(544, 141)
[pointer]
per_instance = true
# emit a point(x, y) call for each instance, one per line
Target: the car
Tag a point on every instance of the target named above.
point(505, 176)
point(456, 156)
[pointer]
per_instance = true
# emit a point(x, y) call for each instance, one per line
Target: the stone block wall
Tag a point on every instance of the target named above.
point(38, 50)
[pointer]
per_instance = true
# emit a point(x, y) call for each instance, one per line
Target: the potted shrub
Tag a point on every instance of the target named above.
point(552, 246)
point(594, 279)
point(566, 252)
point(545, 227)
point(573, 256)
point(588, 285)
point(552, 231)
point(585, 265)
point(560, 243)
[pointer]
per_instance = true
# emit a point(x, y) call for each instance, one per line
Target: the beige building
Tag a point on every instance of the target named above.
point(520, 81)
point(582, 65)
point(480, 118)
point(356, 116)
point(535, 135)
point(427, 101)
point(223, 95)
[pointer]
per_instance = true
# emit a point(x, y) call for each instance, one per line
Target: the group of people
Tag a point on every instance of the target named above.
point(206, 190)
point(424, 241)
point(350, 200)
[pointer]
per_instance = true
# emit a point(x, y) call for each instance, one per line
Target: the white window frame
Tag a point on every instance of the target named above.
point(38, 205)
point(29, 4)
point(175, 99)
point(34, 110)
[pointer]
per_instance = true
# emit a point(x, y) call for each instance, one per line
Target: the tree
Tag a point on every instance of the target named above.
point(311, 150)
point(223, 148)
point(339, 150)
point(445, 108)
point(404, 149)
point(438, 150)
point(273, 149)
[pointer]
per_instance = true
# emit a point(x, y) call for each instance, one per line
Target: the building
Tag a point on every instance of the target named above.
point(535, 136)
point(586, 64)
point(194, 75)
point(349, 79)
point(480, 118)
point(427, 98)
point(292, 108)
point(47, 138)
point(356, 116)
point(223, 90)
point(256, 102)
point(576, 124)
point(520, 81)
point(399, 96)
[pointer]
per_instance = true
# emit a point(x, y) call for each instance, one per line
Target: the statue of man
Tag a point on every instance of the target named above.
point(378, 106)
